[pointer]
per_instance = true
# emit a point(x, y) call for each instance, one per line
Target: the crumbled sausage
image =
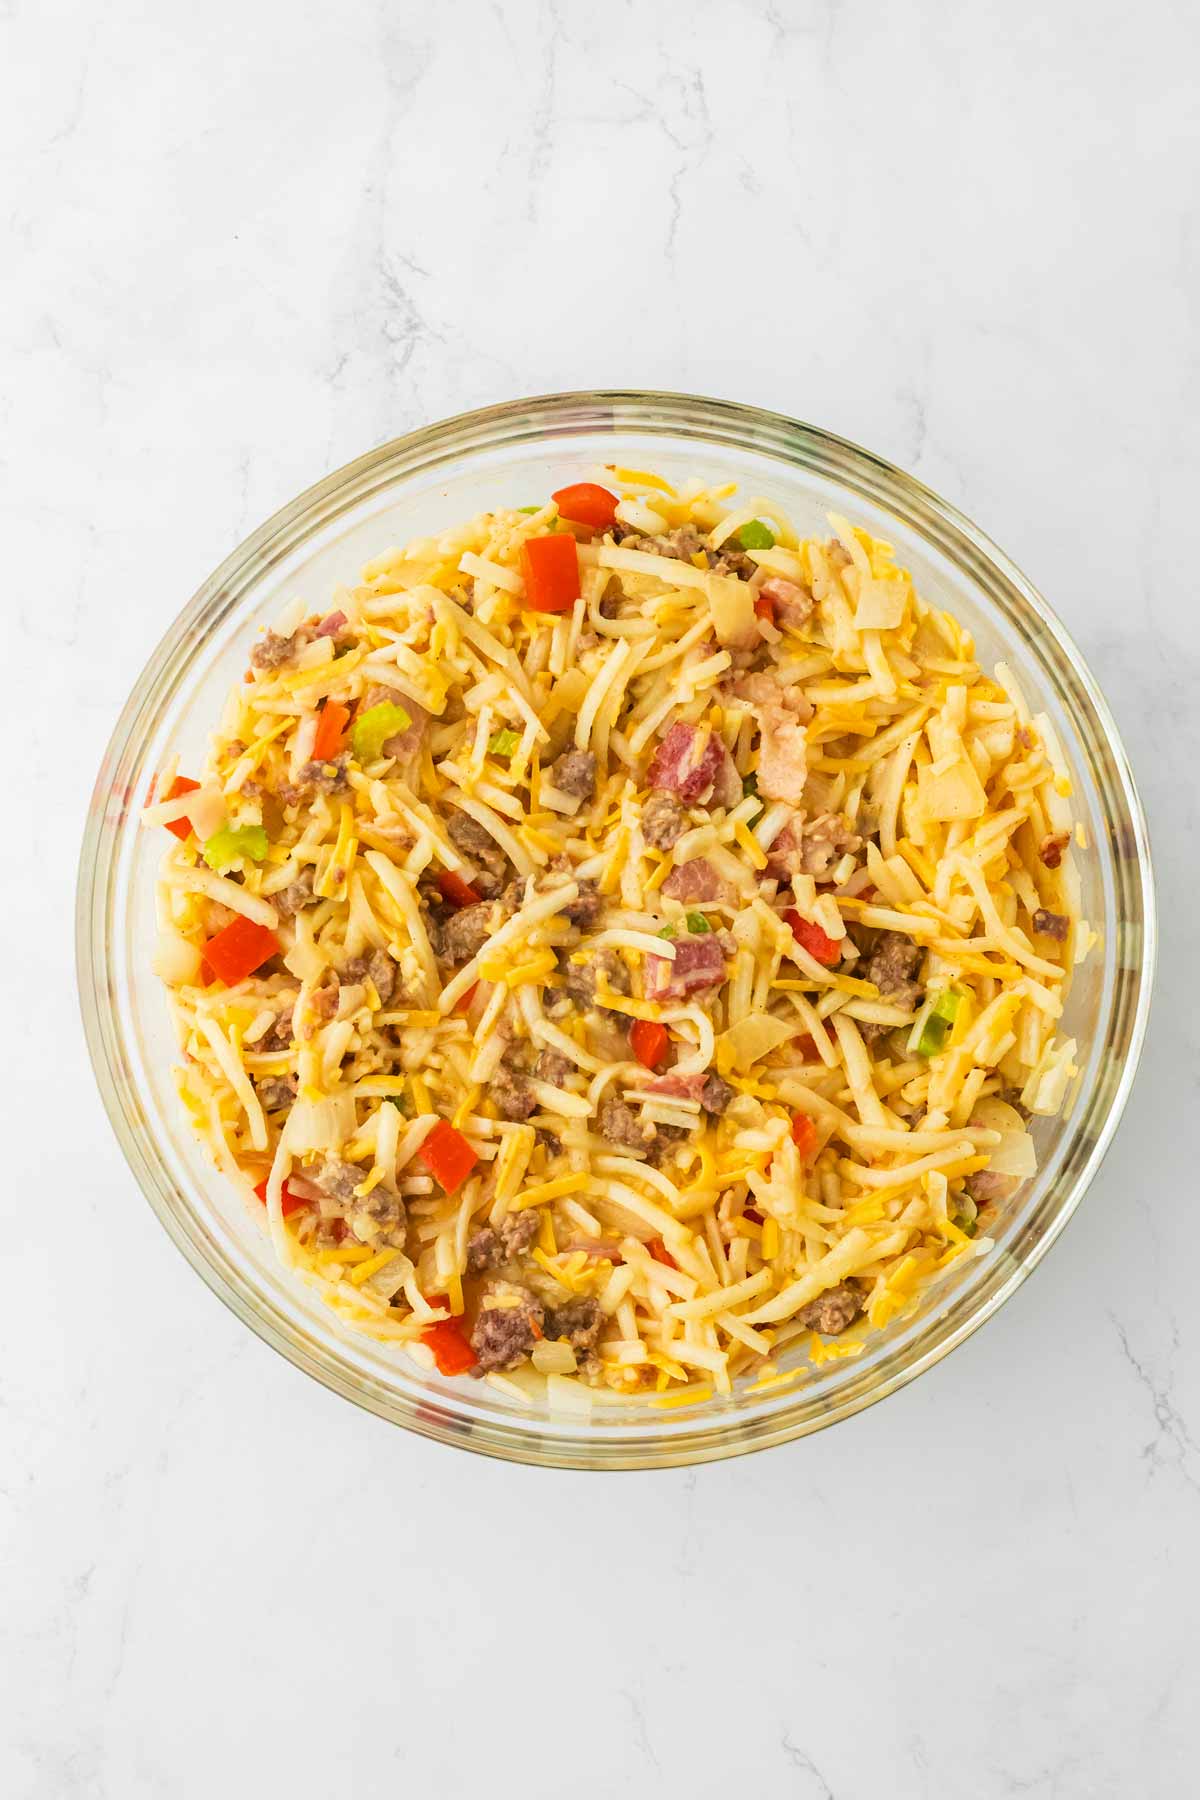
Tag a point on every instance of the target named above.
point(272, 650)
point(465, 933)
point(508, 1326)
point(323, 1002)
point(279, 1035)
point(574, 773)
point(580, 978)
point(471, 838)
point(1051, 924)
point(469, 834)
point(373, 1218)
point(716, 1094)
point(580, 1322)
point(585, 907)
point(489, 1249)
point(514, 1097)
point(621, 1125)
point(664, 1141)
point(553, 1066)
point(892, 966)
point(379, 967)
point(663, 821)
point(831, 1311)
point(326, 777)
point(380, 1214)
point(729, 559)
point(276, 1092)
point(338, 1179)
point(297, 895)
point(512, 898)
point(681, 544)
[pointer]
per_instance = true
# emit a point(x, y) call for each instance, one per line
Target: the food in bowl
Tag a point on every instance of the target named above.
point(621, 941)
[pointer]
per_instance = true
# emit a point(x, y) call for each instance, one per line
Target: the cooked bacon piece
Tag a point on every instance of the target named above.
point(782, 713)
point(689, 762)
point(696, 880)
point(782, 755)
point(761, 689)
point(713, 1094)
point(699, 962)
point(1051, 849)
point(811, 847)
point(1049, 924)
point(793, 605)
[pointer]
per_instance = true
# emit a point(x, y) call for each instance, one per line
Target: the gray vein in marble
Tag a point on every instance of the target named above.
point(695, 143)
point(1173, 1445)
point(641, 1735)
point(800, 1759)
point(542, 114)
point(77, 102)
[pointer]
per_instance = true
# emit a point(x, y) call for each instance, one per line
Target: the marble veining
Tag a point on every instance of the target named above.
point(242, 245)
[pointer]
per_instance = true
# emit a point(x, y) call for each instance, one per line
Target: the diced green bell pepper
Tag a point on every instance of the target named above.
point(235, 843)
point(372, 729)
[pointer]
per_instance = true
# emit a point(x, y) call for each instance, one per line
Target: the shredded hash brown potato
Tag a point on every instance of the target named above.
point(621, 942)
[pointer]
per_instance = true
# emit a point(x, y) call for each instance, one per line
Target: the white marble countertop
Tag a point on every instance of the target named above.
point(245, 244)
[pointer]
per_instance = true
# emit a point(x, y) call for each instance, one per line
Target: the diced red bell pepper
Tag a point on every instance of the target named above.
point(456, 891)
point(451, 1351)
point(464, 1000)
point(807, 1048)
point(804, 1134)
point(821, 948)
point(649, 1042)
point(331, 729)
point(586, 503)
point(290, 1199)
point(182, 784)
point(447, 1155)
point(551, 569)
point(238, 949)
point(660, 1253)
point(764, 608)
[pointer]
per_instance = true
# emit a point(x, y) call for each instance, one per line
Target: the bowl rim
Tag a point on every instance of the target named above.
point(635, 411)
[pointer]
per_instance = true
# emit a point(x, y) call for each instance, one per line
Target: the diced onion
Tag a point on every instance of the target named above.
point(751, 1039)
point(731, 603)
point(554, 1358)
point(880, 603)
point(387, 1281)
point(176, 961)
point(566, 1396)
point(957, 793)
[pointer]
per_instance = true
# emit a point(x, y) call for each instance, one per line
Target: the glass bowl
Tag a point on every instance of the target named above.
point(514, 455)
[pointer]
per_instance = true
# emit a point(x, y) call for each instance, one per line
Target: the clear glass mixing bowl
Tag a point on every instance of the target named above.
point(513, 455)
